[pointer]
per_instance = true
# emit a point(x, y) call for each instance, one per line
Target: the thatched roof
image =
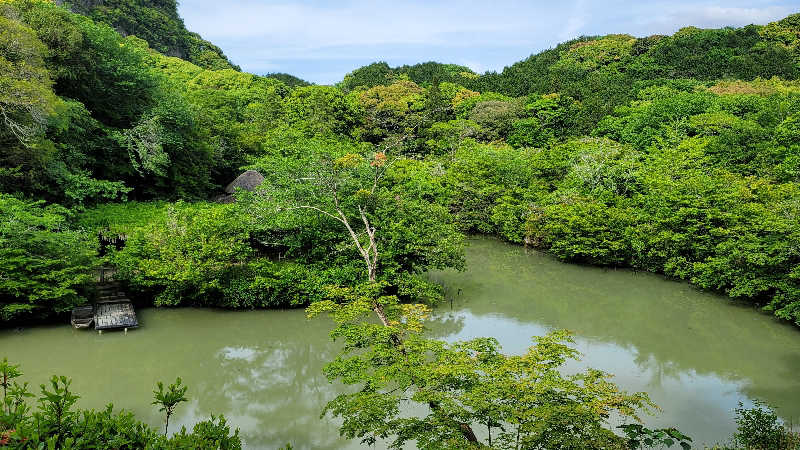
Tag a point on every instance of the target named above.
point(248, 181)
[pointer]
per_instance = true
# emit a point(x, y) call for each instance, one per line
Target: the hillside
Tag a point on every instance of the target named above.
point(158, 23)
point(604, 72)
point(381, 74)
point(567, 150)
point(675, 155)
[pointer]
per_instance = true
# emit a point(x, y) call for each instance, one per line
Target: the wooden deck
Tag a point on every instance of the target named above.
point(114, 314)
point(112, 309)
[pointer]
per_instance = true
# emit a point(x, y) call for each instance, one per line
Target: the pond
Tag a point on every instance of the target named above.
point(697, 354)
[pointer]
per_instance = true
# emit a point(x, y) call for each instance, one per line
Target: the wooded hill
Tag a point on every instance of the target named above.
point(673, 154)
point(158, 23)
point(677, 155)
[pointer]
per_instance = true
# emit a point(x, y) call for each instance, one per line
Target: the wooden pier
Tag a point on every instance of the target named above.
point(115, 316)
point(112, 310)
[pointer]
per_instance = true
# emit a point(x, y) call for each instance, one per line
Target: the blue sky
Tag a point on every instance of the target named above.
point(321, 41)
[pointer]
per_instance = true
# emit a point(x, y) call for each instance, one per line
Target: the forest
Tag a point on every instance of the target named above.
point(672, 154)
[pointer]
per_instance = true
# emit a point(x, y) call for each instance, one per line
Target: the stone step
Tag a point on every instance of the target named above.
point(111, 292)
point(109, 288)
point(112, 301)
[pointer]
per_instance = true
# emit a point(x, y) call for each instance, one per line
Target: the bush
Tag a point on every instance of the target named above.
point(759, 428)
point(181, 256)
point(57, 424)
point(44, 263)
point(266, 284)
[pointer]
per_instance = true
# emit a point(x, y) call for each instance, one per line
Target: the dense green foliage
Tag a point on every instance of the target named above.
point(288, 79)
point(675, 154)
point(380, 74)
point(57, 424)
point(95, 116)
point(759, 428)
point(44, 263)
point(158, 23)
point(521, 401)
point(618, 151)
point(608, 71)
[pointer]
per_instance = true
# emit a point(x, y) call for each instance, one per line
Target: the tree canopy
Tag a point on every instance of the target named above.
point(677, 155)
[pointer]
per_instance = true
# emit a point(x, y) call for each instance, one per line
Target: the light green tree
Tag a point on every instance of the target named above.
point(44, 263)
point(463, 395)
point(26, 99)
point(168, 399)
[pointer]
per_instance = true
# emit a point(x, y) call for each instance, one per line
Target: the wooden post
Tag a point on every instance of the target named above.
point(126, 331)
point(99, 331)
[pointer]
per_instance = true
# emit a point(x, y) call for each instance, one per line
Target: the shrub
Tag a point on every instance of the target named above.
point(759, 428)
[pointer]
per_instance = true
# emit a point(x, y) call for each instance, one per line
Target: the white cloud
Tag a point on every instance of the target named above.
point(712, 16)
point(322, 40)
point(357, 22)
point(475, 66)
point(721, 16)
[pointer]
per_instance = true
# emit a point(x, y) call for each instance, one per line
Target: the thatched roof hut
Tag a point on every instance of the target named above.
point(247, 181)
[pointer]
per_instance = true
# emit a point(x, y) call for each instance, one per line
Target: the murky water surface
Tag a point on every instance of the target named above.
point(697, 354)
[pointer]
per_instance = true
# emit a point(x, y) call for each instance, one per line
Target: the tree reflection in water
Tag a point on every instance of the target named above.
point(698, 354)
point(695, 353)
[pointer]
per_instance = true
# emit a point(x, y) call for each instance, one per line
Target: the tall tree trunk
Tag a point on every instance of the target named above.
point(370, 255)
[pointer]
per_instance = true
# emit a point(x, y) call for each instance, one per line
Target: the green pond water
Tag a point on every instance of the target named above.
point(697, 354)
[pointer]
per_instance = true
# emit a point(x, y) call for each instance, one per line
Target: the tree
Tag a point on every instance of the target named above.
point(497, 117)
point(90, 62)
point(446, 137)
point(392, 112)
point(145, 147)
point(759, 428)
point(235, 109)
point(412, 388)
point(169, 399)
point(183, 253)
point(27, 103)
point(160, 25)
point(321, 110)
point(369, 76)
point(49, 144)
point(348, 186)
point(44, 263)
point(551, 116)
point(115, 102)
point(26, 99)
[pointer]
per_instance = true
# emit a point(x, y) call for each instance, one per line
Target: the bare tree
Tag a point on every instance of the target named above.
point(339, 188)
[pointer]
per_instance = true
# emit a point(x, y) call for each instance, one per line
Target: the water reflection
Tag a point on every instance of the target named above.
point(262, 370)
point(696, 354)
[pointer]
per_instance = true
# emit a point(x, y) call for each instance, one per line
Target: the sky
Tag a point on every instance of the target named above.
point(321, 41)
